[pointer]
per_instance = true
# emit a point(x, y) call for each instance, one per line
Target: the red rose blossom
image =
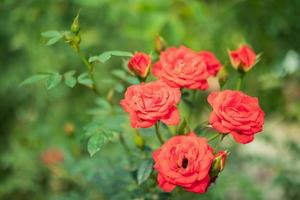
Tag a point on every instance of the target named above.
point(181, 67)
point(236, 113)
point(52, 156)
point(213, 65)
point(139, 64)
point(184, 161)
point(147, 103)
point(243, 58)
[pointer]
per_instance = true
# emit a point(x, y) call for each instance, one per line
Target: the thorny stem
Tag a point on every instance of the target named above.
point(90, 69)
point(158, 133)
point(214, 137)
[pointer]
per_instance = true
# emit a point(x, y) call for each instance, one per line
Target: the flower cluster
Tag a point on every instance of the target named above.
point(187, 160)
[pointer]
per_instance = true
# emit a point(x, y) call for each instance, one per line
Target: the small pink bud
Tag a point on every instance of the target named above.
point(139, 64)
point(244, 58)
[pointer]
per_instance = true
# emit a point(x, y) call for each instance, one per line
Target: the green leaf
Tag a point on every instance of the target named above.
point(50, 34)
point(119, 74)
point(85, 80)
point(98, 139)
point(70, 80)
point(53, 40)
point(144, 171)
point(54, 80)
point(107, 55)
point(34, 79)
point(53, 36)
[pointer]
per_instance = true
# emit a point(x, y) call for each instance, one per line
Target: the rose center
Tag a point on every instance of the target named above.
point(185, 163)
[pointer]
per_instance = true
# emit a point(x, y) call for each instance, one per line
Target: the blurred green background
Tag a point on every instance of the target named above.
point(35, 121)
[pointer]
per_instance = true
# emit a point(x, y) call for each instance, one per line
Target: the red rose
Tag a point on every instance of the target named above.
point(52, 156)
point(181, 67)
point(236, 113)
point(149, 102)
point(213, 65)
point(243, 58)
point(184, 161)
point(139, 64)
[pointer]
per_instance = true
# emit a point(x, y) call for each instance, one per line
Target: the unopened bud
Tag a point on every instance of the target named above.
point(138, 140)
point(140, 64)
point(222, 76)
point(218, 164)
point(160, 44)
point(75, 27)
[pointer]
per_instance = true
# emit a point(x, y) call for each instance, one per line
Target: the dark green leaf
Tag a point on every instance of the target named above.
point(144, 171)
point(184, 127)
point(99, 138)
point(34, 79)
point(54, 80)
point(70, 80)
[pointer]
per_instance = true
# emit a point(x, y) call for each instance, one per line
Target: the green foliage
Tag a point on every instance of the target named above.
point(144, 171)
point(54, 80)
point(99, 137)
point(103, 57)
point(33, 121)
point(52, 36)
point(84, 80)
point(69, 78)
point(34, 79)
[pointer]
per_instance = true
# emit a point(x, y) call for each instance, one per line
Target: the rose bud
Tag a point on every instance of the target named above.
point(218, 164)
point(222, 76)
point(160, 44)
point(140, 64)
point(213, 65)
point(243, 58)
point(236, 113)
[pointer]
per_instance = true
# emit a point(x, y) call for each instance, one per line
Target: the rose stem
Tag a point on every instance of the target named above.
point(214, 137)
point(124, 144)
point(90, 70)
point(193, 101)
point(158, 133)
point(240, 80)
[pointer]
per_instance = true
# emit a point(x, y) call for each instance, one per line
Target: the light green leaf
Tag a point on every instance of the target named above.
point(53, 40)
point(70, 80)
point(98, 139)
point(107, 55)
point(34, 79)
point(119, 74)
point(54, 80)
point(51, 34)
point(144, 171)
point(85, 80)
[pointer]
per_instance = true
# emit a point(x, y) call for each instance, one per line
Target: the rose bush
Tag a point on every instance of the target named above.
point(184, 161)
point(236, 113)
